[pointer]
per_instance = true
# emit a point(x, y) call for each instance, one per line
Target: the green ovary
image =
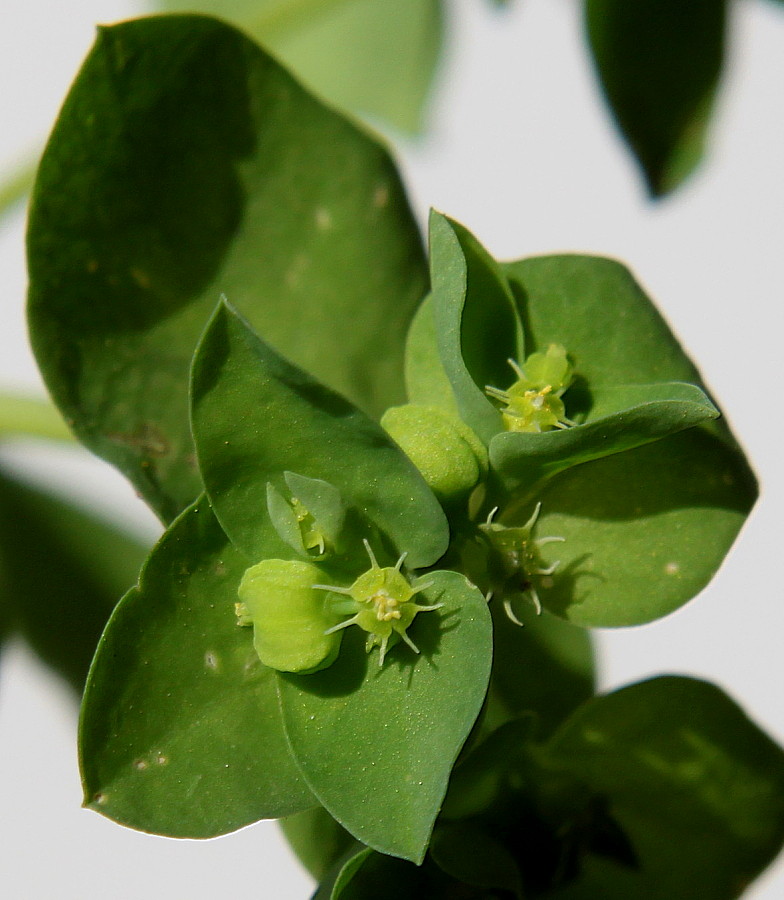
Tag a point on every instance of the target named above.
point(290, 620)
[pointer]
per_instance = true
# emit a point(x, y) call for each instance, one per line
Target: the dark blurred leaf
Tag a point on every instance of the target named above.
point(470, 855)
point(659, 63)
point(546, 668)
point(366, 56)
point(695, 785)
point(317, 840)
point(181, 732)
point(186, 164)
point(62, 571)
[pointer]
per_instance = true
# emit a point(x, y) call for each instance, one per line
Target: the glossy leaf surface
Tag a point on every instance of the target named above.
point(367, 56)
point(696, 786)
point(256, 416)
point(181, 732)
point(645, 529)
point(377, 744)
point(187, 164)
point(659, 63)
point(62, 572)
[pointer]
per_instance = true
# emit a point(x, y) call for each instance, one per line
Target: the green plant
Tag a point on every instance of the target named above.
point(567, 795)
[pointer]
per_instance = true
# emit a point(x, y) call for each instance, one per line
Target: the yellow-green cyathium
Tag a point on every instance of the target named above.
point(533, 402)
point(380, 602)
point(513, 563)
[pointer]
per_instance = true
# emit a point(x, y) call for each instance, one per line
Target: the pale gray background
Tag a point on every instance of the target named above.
point(522, 152)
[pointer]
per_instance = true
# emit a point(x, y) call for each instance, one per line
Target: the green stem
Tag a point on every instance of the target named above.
point(31, 417)
point(18, 185)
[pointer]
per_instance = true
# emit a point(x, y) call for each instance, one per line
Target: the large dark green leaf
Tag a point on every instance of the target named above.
point(659, 63)
point(696, 786)
point(647, 528)
point(377, 744)
point(256, 415)
point(475, 323)
point(181, 732)
point(368, 56)
point(62, 573)
point(185, 164)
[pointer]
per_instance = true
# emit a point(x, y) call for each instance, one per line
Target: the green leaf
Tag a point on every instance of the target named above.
point(366, 56)
point(256, 415)
point(63, 572)
point(659, 64)
point(546, 668)
point(317, 840)
point(377, 744)
point(696, 786)
point(645, 529)
point(476, 326)
point(426, 381)
point(186, 164)
point(645, 413)
point(181, 733)
point(471, 856)
point(367, 875)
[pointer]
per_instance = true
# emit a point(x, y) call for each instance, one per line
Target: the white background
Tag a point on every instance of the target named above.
point(521, 150)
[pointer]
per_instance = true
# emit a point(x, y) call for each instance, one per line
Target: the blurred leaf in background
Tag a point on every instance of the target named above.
point(659, 63)
point(62, 571)
point(370, 57)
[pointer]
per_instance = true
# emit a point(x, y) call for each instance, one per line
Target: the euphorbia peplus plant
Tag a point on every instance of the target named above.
point(418, 566)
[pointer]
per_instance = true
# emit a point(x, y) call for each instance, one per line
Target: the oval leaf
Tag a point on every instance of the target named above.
point(377, 744)
point(695, 785)
point(646, 529)
point(256, 416)
point(367, 56)
point(181, 732)
point(659, 63)
point(186, 163)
